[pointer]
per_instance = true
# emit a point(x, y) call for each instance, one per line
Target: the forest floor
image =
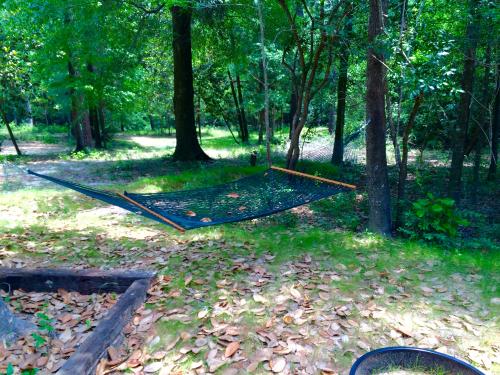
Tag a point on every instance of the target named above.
point(304, 291)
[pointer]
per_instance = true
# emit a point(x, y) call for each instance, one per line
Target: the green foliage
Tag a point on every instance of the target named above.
point(39, 340)
point(434, 219)
point(45, 322)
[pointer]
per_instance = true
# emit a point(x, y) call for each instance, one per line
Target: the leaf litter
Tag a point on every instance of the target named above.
point(235, 311)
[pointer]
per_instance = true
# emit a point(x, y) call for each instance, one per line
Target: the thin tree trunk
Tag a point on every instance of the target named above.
point(151, 122)
point(403, 167)
point(338, 147)
point(76, 128)
point(102, 122)
point(198, 118)
point(242, 110)
point(266, 85)
point(237, 105)
point(293, 111)
point(484, 121)
point(11, 134)
point(460, 131)
point(29, 111)
point(187, 147)
point(376, 160)
point(495, 125)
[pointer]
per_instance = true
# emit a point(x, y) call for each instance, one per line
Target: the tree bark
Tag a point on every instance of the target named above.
point(460, 130)
point(76, 128)
point(244, 122)
point(187, 147)
point(29, 112)
point(237, 105)
point(338, 146)
point(102, 122)
point(151, 122)
point(94, 125)
point(495, 125)
point(266, 85)
point(403, 167)
point(376, 159)
point(293, 111)
point(11, 134)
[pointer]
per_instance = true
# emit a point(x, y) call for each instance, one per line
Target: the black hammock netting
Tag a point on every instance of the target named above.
point(258, 195)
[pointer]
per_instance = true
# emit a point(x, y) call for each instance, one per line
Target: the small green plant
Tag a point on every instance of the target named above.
point(45, 323)
point(433, 219)
point(39, 340)
point(10, 369)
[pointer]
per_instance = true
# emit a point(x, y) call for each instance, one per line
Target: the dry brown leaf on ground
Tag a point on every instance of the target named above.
point(231, 349)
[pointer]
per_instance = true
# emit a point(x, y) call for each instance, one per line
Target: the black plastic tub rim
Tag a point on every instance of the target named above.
point(404, 357)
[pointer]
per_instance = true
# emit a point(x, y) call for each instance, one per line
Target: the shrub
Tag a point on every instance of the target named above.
point(433, 219)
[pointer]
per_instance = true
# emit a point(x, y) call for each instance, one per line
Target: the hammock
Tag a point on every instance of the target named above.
point(258, 195)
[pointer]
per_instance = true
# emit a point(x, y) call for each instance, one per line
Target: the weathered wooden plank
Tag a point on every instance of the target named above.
point(82, 281)
point(88, 355)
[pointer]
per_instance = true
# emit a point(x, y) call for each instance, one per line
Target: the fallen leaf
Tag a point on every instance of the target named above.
point(277, 364)
point(153, 367)
point(231, 349)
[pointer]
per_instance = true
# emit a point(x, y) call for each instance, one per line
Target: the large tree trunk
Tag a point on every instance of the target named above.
point(376, 160)
point(338, 147)
point(403, 167)
point(495, 125)
point(187, 147)
point(460, 131)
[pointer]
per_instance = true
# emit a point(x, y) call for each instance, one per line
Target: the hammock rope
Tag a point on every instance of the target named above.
point(259, 195)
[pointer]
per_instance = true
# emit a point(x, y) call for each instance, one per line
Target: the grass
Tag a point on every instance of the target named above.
point(28, 133)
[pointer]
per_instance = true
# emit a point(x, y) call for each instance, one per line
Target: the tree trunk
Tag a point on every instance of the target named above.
point(102, 122)
point(198, 117)
point(76, 128)
point(495, 125)
point(403, 167)
point(11, 134)
point(94, 125)
point(293, 111)
point(237, 105)
point(376, 160)
point(151, 122)
point(484, 121)
point(244, 122)
point(29, 112)
point(460, 131)
point(266, 85)
point(187, 147)
point(338, 147)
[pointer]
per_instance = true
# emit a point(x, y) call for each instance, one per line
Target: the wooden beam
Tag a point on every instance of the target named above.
point(322, 179)
point(169, 222)
point(88, 354)
point(82, 281)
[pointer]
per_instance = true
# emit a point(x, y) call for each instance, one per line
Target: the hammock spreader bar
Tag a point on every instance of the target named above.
point(259, 195)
